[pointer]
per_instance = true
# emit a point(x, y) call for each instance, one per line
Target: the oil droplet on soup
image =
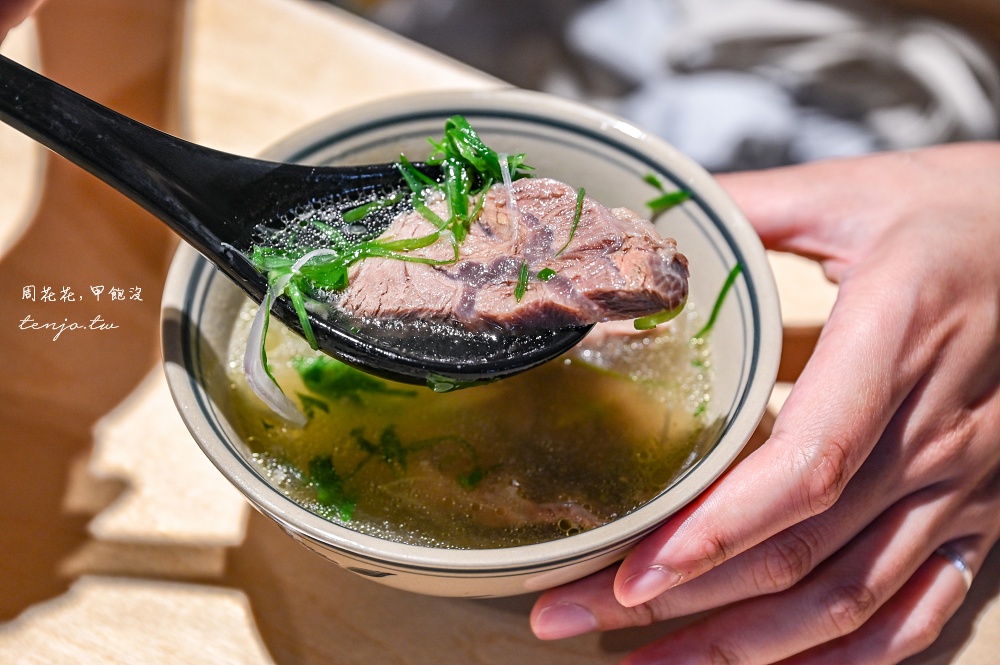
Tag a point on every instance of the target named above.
point(549, 453)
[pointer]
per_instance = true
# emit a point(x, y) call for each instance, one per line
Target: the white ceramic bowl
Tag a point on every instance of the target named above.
point(564, 140)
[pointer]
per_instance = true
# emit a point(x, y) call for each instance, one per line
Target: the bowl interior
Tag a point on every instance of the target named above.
point(563, 140)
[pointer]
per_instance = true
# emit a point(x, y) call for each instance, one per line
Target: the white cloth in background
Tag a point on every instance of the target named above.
point(753, 83)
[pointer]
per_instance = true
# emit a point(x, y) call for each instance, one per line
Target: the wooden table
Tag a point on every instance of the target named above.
point(119, 543)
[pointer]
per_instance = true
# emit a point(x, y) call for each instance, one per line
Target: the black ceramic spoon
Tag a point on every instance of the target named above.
point(213, 200)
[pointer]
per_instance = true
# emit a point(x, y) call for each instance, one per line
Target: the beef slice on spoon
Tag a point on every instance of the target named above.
point(601, 265)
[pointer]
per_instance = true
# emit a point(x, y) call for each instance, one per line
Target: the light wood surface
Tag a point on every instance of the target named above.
point(119, 542)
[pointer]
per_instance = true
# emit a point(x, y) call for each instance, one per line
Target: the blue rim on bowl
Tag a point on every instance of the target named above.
point(571, 142)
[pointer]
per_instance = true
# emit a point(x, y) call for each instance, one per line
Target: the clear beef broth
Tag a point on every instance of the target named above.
point(555, 451)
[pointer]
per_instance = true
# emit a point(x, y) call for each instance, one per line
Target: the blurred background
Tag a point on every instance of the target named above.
point(738, 83)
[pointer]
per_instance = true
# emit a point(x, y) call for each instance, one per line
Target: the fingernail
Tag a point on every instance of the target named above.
point(648, 584)
point(563, 620)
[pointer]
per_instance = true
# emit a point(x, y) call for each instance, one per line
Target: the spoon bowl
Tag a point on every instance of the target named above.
point(215, 201)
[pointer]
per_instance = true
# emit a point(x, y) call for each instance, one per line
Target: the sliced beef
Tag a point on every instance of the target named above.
point(615, 266)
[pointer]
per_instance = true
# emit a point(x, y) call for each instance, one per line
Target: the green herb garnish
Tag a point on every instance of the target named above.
point(329, 486)
point(415, 179)
point(327, 269)
point(580, 193)
point(362, 211)
point(545, 274)
point(522, 282)
point(333, 379)
point(388, 449)
point(652, 179)
point(468, 167)
point(728, 284)
point(666, 200)
point(311, 405)
point(653, 320)
point(263, 352)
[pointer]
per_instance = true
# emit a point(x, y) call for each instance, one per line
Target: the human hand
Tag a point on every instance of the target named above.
point(820, 546)
point(12, 12)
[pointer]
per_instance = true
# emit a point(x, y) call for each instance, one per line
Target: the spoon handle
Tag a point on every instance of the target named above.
point(167, 176)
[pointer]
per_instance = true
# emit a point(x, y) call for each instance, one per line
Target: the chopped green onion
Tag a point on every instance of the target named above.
point(667, 201)
point(329, 487)
point(389, 447)
point(393, 452)
point(311, 405)
point(333, 379)
point(474, 215)
point(652, 179)
point(409, 244)
point(457, 185)
point(362, 211)
point(522, 282)
point(429, 215)
point(325, 228)
point(468, 167)
point(728, 284)
point(463, 143)
point(653, 320)
point(415, 179)
point(294, 294)
point(545, 274)
point(328, 269)
point(580, 193)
